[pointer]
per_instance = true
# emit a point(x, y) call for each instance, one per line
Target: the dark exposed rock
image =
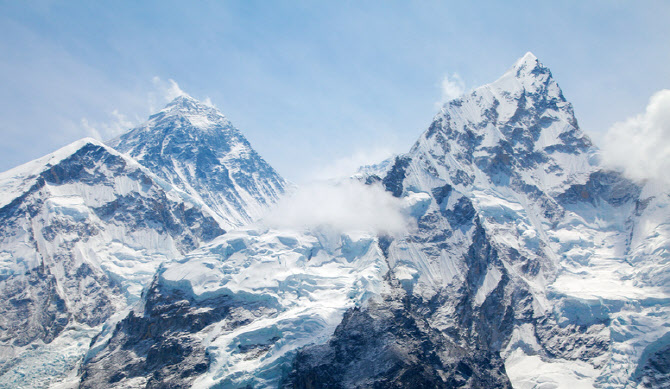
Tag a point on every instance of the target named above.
point(603, 186)
point(68, 286)
point(653, 370)
point(393, 182)
point(391, 345)
point(31, 309)
point(158, 346)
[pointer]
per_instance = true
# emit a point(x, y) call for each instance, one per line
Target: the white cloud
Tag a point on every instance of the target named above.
point(452, 87)
point(344, 207)
point(117, 124)
point(166, 91)
point(90, 129)
point(346, 166)
point(173, 91)
point(641, 145)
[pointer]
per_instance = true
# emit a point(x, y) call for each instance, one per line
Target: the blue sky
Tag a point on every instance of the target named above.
point(315, 86)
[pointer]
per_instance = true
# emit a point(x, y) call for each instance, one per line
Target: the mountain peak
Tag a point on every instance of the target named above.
point(520, 127)
point(186, 103)
point(192, 146)
point(528, 62)
point(201, 115)
point(527, 74)
point(183, 100)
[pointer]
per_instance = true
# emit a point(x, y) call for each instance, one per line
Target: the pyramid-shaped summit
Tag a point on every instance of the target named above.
point(195, 148)
point(200, 115)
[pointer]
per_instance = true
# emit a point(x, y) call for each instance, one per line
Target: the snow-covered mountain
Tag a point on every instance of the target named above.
point(83, 231)
point(526, 263)
point(577, 276)
point(196, 149)
point(530, 266)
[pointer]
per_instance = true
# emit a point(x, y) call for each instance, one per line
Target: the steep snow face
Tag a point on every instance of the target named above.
point(234, 313)
point(509, 147)
point(83, 230)
point(588, 247)
point(195, 148)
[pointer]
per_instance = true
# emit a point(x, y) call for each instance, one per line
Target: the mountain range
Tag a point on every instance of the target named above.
point(527, 263)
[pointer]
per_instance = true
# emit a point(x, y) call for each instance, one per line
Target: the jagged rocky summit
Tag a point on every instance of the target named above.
point(530, 265)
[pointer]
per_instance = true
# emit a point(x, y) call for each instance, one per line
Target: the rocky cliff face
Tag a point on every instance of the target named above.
point(560, 281)
point(85, 229)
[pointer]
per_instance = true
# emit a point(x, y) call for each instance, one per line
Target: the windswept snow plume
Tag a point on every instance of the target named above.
point(172, 91)
point(346, 206)
point(641, 145)
point(164, 91)
point(452, 87)
point(208, 102)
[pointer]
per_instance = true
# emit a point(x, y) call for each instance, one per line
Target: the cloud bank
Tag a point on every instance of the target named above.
point(640, 146)
point(345, 207)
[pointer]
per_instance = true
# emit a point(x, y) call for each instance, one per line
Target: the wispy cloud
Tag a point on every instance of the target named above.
point(348, 165)
point(344, 207)
point(103, 130)
point(641, 145)
point(452, 87)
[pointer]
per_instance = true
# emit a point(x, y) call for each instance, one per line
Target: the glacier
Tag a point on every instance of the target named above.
point(524, 262)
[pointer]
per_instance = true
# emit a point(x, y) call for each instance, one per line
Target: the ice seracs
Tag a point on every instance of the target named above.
point(249, 301)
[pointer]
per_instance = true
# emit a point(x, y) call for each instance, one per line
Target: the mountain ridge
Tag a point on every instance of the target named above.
point(506, 190)
point(528, 264)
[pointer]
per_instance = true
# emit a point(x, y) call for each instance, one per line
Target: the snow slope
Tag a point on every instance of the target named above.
point(531, 266)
